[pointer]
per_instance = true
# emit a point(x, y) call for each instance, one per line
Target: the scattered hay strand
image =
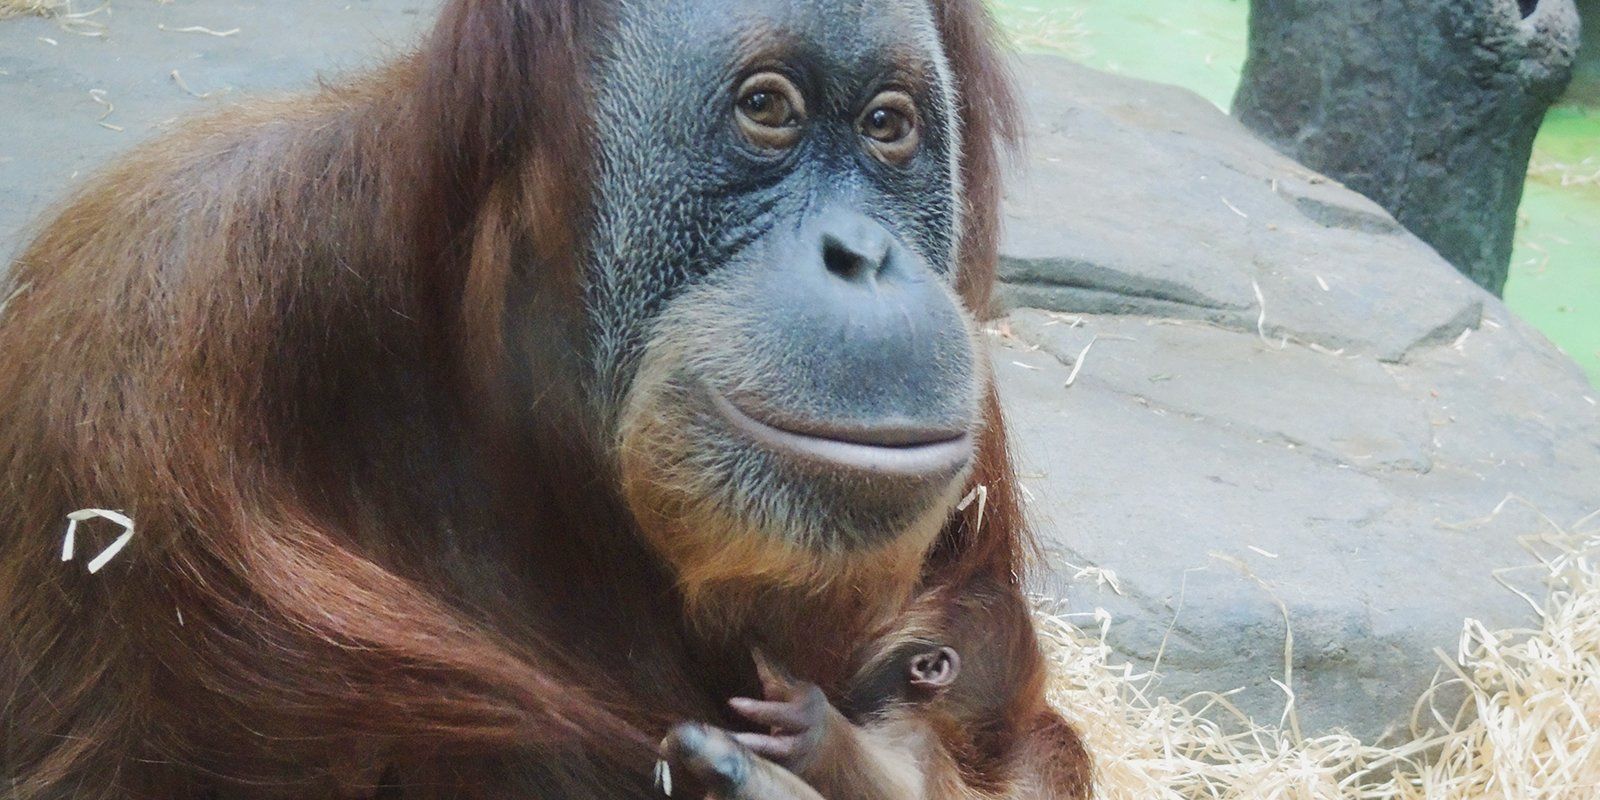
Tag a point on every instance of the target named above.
point(1101, 576)
point(1077, 363)
point(99, 96)
point(980, 493)
point(15, 293)
point(1261, 319)
point(200, 29)
point(1526, 729)
point(177, 78)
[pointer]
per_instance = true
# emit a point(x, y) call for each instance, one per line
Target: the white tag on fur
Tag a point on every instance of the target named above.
point(69, 542)
point(664, 777)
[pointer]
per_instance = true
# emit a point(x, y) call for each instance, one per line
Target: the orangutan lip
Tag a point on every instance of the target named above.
point(889, 450)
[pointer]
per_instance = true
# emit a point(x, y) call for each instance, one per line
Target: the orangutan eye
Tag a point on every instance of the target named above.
point(890, 127)
point(887, 125)
point(770, 110)
point(767, 109)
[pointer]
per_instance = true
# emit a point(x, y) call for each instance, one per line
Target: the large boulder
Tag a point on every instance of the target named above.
point(1429, 107)
point(1140, 198)
point(1287, 407)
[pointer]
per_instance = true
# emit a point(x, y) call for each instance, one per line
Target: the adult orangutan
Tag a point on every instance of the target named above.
point(480, 419)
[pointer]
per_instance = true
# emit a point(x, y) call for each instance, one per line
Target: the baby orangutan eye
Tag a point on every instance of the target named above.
point(769, 111)
point(890, 127)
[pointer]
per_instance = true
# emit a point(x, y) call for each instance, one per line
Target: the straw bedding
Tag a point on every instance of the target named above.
point(17, 8)
point(1525, 729)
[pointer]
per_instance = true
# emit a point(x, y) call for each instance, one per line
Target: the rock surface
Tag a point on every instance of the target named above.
point(1429, 107)
point(1349, 484)
point(1142, 199)
point(1343, 457)
point(50, 138)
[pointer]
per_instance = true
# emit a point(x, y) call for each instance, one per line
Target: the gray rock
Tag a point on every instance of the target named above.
point(1358, 420)
point(1429, 107)
point(1217, 476)
point(1139, 198)
point(49, 137)
point(1345, 465)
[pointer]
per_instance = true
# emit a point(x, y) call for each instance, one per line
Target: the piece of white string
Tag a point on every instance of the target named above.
point(70, 541)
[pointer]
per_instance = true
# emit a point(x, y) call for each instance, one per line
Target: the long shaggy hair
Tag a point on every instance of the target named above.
point(276, 340)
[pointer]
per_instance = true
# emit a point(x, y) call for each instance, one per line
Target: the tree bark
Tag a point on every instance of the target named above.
point(1586, 78)
point(1429, 107)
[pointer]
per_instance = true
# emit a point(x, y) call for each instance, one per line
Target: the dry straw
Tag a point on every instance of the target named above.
point(72, 21)
point(41, 8)
point(1526, 729)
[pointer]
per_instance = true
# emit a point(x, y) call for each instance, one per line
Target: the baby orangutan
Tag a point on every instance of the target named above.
point(813, 751)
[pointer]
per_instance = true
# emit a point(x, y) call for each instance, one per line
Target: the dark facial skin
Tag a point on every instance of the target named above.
point(779, 346)
point(775, 325)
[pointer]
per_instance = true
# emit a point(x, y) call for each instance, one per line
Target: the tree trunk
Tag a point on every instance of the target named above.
point(1429, 107)
point(1586, 78)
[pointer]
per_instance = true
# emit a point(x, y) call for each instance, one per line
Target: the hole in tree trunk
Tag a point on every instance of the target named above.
point(1528, 7)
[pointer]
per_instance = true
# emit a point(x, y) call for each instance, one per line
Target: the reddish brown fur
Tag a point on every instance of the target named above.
point(277, 340)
